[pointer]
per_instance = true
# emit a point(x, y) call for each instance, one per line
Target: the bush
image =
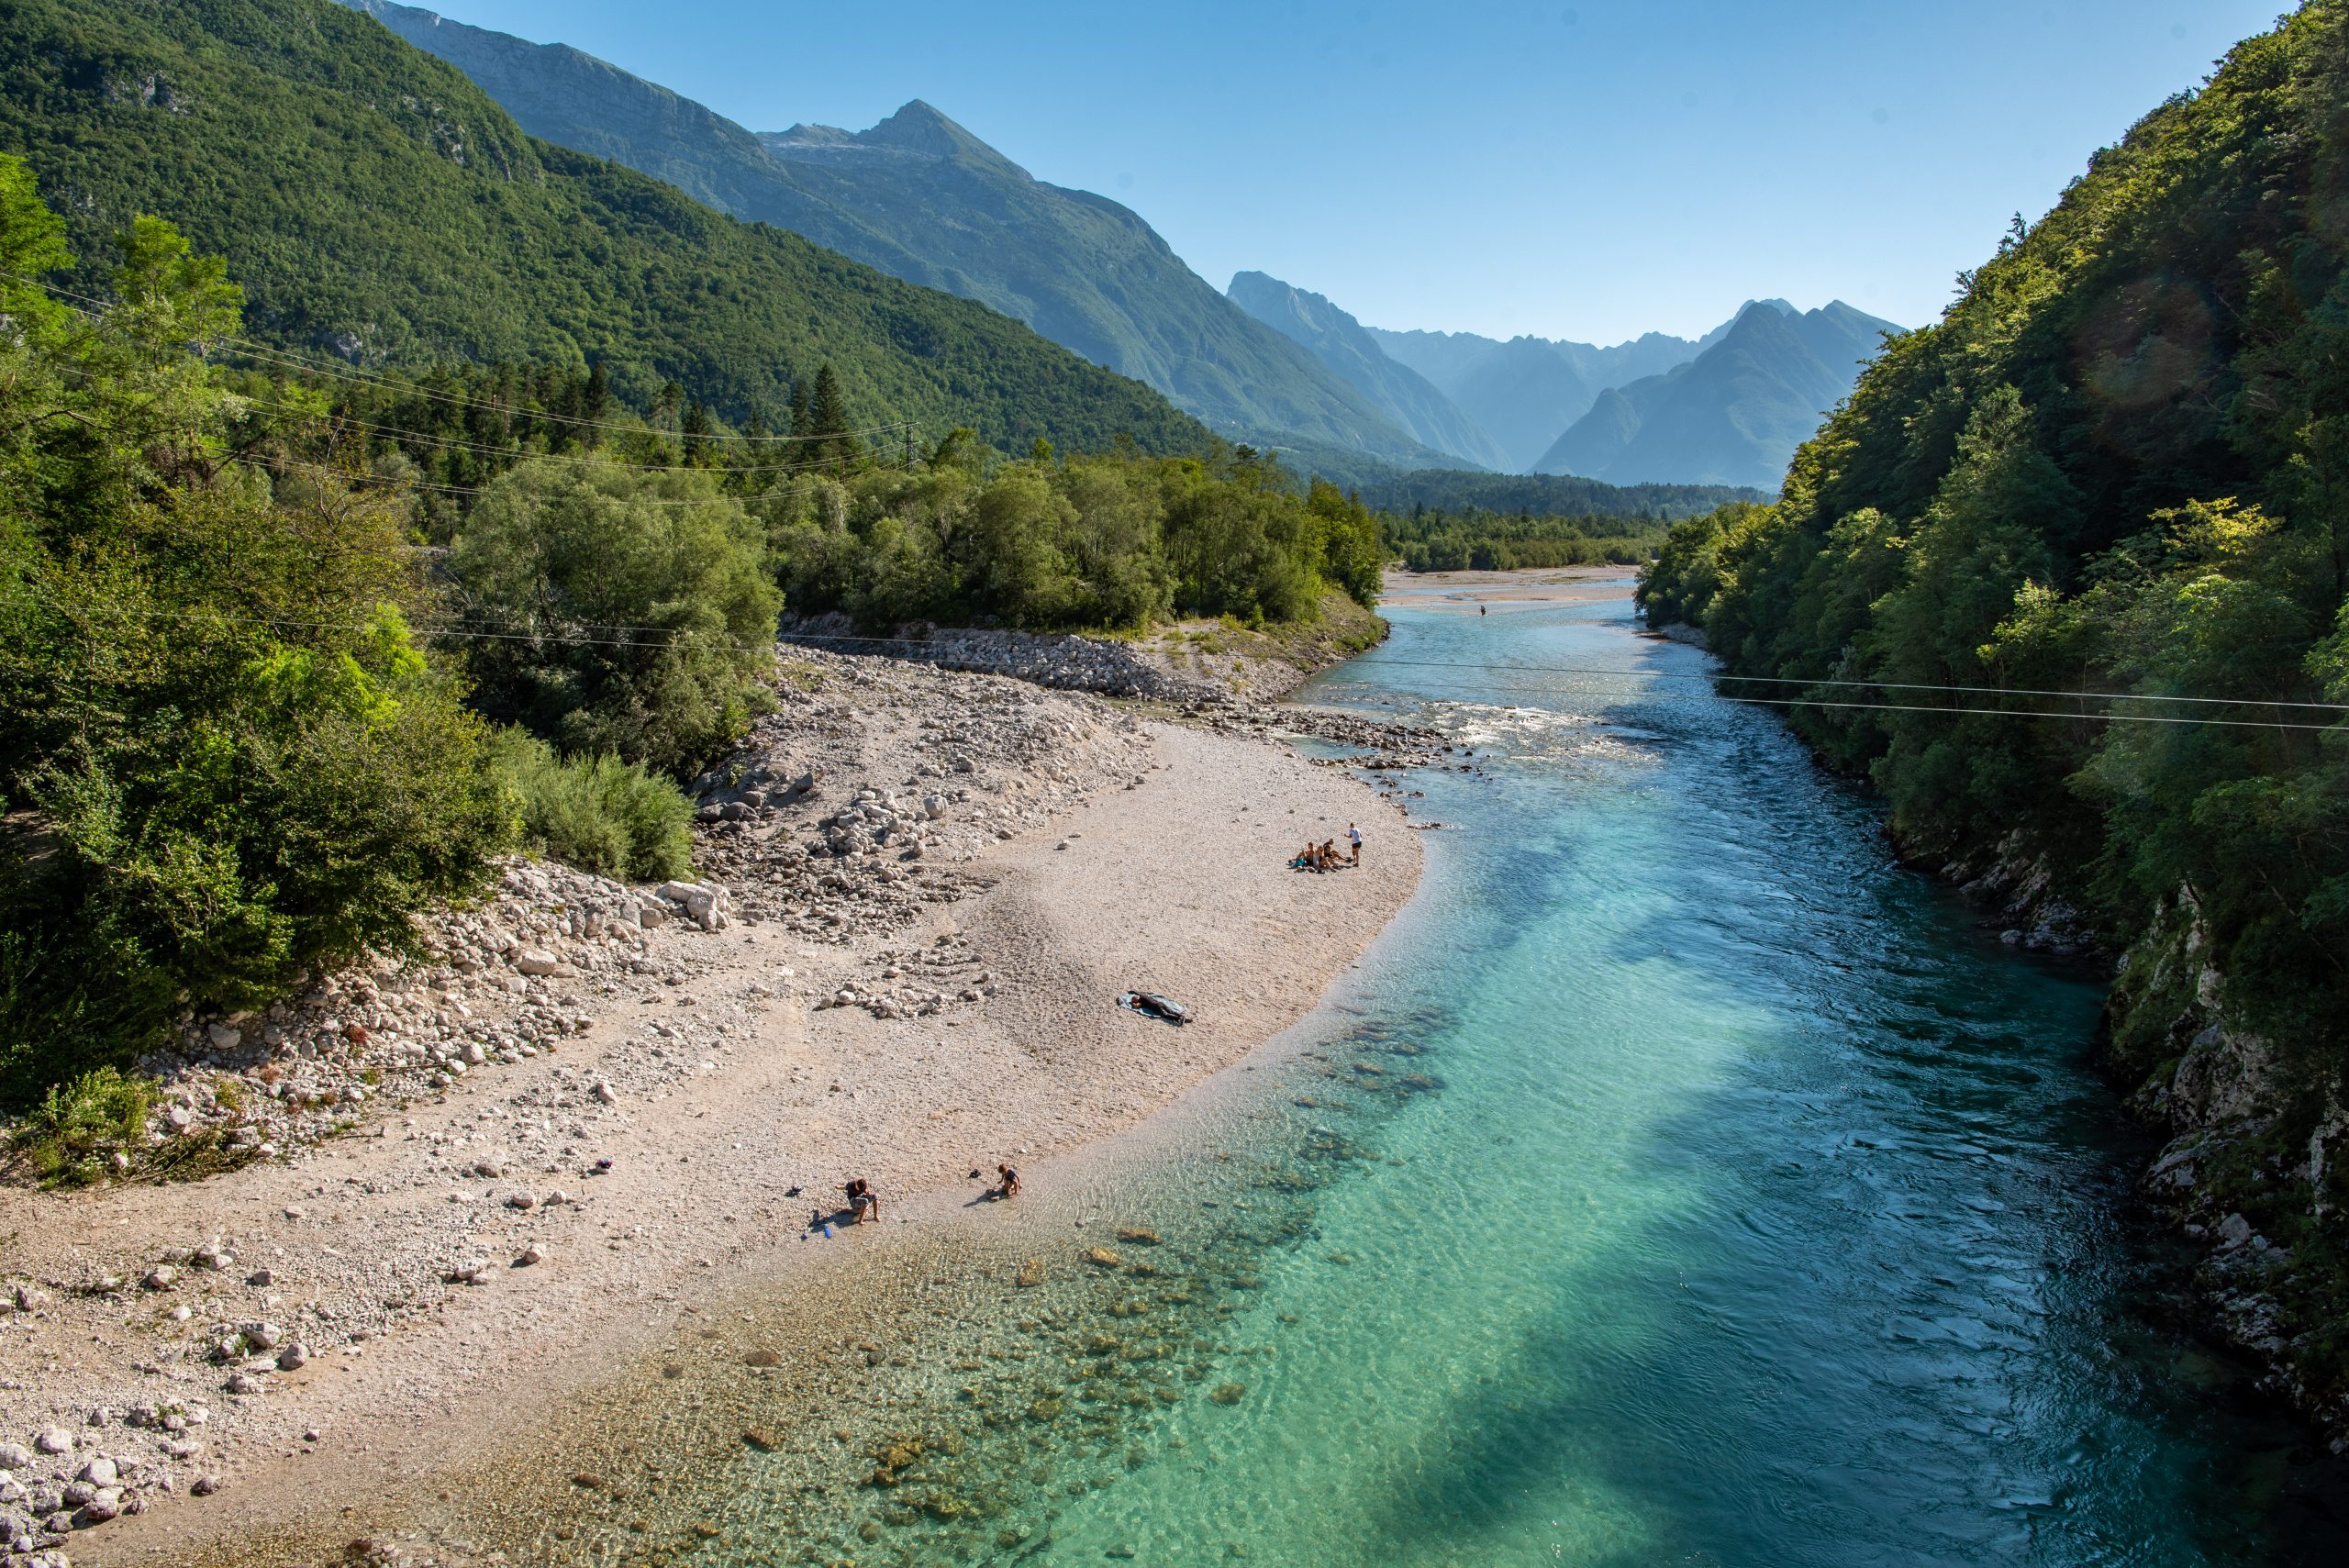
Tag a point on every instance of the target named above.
point(69, 1139)
point(598, 814)
point(621, 611)
point(226, 758)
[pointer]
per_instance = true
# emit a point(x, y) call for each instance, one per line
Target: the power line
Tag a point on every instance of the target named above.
point(250, 348)
point(462, 633)
point(1782, 680)
point(460, 443)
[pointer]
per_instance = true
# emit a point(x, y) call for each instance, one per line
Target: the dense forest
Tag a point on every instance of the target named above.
point(1542, 496)
point(1428, 540)
point(2110, 489)
point(378, 207)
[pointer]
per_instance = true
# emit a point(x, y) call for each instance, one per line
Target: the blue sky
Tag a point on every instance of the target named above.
point(1589, 171)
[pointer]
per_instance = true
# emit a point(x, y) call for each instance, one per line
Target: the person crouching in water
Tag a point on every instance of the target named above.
point(1010, 1187)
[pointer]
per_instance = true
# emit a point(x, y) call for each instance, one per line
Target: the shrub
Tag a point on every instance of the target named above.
point(70, 1137)
point(600, 814)
point(626, 612)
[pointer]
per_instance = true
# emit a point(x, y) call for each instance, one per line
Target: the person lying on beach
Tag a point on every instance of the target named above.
point(862, 1201)
point(1010, 1187)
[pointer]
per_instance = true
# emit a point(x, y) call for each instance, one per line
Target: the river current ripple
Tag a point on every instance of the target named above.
point(1680, 1180)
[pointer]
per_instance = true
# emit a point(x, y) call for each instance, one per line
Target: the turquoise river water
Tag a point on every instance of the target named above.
point(1679, 1182)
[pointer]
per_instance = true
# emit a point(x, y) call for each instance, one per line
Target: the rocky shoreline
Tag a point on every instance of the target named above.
point(414, 1163)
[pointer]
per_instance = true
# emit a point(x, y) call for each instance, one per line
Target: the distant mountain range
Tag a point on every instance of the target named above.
point(1340, 342)
point(1727, 409)
point(1527, 390)
point(1734, 414)
point(921, 198)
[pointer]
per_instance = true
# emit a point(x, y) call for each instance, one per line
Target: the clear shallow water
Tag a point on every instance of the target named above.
point(1682, 1184)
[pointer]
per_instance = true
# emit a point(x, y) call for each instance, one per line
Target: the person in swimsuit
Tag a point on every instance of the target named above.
point(1010, 1186)
point(862, 1201)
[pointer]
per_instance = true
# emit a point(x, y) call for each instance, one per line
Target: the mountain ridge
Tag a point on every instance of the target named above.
point(1335, 338)
point(1734, 414)
point(374, 203)
point(1083, 270)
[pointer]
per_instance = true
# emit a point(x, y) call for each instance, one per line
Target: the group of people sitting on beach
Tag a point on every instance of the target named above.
point(864, 1204)
point(1325, 855)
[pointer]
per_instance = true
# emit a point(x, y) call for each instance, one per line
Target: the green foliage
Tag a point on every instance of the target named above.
point(616, 610)
point(70, 1138)
point(229, 759)
point(1430, 541)
point(2119, 464)
point(376, 203)
point(1111, 542)
point(598, 813)
point(1462, 491)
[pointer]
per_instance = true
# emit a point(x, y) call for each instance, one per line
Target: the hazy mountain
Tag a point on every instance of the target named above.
point(1735, 412)
point(921, 198)
point(1338, 340)
point(1527, 389)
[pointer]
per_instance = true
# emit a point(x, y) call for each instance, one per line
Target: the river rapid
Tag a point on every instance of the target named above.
point(1679, 1181)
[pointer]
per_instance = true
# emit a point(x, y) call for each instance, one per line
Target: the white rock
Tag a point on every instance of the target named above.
point(606, 1092)
point(262, 1336)
point(163, 1277)
point(100, 1471)
point(536, 960)
point(53, 1439)
point(529, 1255)
point(293, 1357)
point(224, 1037)
point(244, 1382)
point(14, 1456)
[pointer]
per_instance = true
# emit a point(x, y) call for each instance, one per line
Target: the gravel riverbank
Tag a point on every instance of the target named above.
point(448, 1192)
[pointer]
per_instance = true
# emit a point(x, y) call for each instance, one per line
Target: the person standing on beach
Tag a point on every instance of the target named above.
point(1354, 838)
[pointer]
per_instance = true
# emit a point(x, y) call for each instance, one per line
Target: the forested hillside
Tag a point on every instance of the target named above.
point(378, 205)
point(1544, 495)
point(2110, 488)
point(923, 199)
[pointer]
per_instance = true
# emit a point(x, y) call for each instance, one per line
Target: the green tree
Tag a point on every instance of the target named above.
point(619, 610)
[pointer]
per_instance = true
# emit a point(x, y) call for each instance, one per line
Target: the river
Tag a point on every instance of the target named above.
point(1680, 1180)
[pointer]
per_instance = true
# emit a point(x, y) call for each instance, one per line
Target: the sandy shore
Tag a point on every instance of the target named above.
point(1166, 870)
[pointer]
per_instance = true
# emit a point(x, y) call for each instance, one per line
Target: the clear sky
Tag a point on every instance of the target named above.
point(1591, 171)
